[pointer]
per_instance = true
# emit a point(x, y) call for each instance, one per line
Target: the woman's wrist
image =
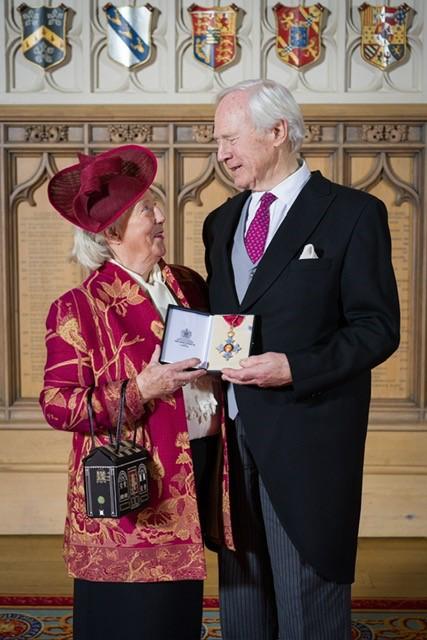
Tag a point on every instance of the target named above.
point(134, 398)
point(140, 385)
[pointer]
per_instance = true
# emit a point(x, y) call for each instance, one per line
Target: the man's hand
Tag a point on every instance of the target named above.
point(267, 370)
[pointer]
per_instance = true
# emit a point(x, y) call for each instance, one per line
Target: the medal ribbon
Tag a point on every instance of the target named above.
point(234, 321)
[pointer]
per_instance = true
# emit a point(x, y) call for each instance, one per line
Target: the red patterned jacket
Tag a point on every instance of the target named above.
point(99, 334)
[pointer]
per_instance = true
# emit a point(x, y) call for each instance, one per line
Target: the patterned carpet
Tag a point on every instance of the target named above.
point(50, 618)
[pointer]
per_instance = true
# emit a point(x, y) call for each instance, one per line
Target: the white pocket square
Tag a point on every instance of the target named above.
point(308, 253)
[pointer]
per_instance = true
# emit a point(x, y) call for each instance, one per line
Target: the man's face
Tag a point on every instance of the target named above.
point(249, 154)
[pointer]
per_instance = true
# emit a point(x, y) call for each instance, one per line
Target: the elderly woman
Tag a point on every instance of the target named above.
point(140, 575)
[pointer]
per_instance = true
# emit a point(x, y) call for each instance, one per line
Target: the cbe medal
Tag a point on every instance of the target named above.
point(230, 347)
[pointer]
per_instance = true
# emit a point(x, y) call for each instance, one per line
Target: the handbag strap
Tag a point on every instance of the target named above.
point(90, 413)
point(91, 417)
point(120, 414)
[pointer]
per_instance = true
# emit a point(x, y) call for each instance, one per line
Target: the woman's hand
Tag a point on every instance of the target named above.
point(158, 380)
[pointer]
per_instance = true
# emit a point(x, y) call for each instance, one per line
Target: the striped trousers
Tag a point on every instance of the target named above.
point(266, 591)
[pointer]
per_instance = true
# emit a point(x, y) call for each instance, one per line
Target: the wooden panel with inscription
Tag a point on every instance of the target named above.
point(368, 147)
point(204, 191)
point(391, 178)
point(44, 272)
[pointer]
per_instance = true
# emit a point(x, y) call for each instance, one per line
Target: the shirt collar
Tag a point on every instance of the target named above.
point(286, 190)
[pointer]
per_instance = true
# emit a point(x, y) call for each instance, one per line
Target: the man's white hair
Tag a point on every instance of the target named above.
point(269, 102)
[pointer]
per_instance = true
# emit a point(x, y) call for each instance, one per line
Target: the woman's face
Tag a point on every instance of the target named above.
point(143, 236)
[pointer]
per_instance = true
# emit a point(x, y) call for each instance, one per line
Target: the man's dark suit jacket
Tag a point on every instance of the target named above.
point(335, 317)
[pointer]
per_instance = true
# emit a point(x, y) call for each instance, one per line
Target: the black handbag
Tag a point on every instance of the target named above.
point(115, 474)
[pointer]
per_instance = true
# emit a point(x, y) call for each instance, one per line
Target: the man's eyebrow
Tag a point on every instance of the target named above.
point(226, 136)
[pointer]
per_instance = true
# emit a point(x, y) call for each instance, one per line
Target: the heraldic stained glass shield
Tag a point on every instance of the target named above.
point(129, 34)
point(214, 35)
point(298, 34)
point(43, 34)
point(384, 41)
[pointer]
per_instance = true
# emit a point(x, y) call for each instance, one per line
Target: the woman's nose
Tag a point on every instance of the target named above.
point(160, 216)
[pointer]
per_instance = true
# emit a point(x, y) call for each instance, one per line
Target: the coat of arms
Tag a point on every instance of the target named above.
point(129, 34)
point(298, 34)
point(43, 34)
point(214, 34)
point(384, 41)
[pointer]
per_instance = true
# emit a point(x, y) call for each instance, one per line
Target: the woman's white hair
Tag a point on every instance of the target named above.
point(91, 250)
point(270, 102)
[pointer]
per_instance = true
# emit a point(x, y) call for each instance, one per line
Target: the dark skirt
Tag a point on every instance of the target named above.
point(137, 610)
point(148, 610)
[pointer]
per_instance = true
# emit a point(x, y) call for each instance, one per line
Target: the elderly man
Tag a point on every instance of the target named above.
point(312, 260)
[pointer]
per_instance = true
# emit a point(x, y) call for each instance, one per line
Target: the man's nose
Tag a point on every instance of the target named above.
point(223, 152)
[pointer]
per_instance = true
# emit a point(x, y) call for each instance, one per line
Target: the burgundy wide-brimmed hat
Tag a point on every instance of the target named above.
point(95, 192)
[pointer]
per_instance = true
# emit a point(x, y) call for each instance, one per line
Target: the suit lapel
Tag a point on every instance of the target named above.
point(303, 217)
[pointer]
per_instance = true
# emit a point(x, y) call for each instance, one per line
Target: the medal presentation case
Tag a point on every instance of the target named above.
point(218, 341)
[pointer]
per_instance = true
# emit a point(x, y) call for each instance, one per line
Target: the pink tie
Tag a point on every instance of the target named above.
point(256, 235)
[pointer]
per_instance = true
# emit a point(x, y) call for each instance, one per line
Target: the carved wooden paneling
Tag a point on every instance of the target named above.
point(375, 149)
point(393, 178)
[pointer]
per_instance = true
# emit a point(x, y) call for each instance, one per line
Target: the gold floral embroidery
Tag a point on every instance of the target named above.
point(175, 517)
point(68, 330)
point(226, 502)
point(185, 477)
point(183, 458)
point(146, 439)
point(101, 305)
point(55, 397)
point(130, 368)
point(158, 572)
point(156, 469)
point(174, 562)
point(181, 478)
point(121, 295)
point(157, 328)
point(183, 440)
point(97, 406)
point(72, 402)
point(173, 284)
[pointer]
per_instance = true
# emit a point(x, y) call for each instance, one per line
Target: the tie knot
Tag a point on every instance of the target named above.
point(267, 199)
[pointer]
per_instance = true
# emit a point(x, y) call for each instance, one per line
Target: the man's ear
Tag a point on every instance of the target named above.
point(280, 132)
